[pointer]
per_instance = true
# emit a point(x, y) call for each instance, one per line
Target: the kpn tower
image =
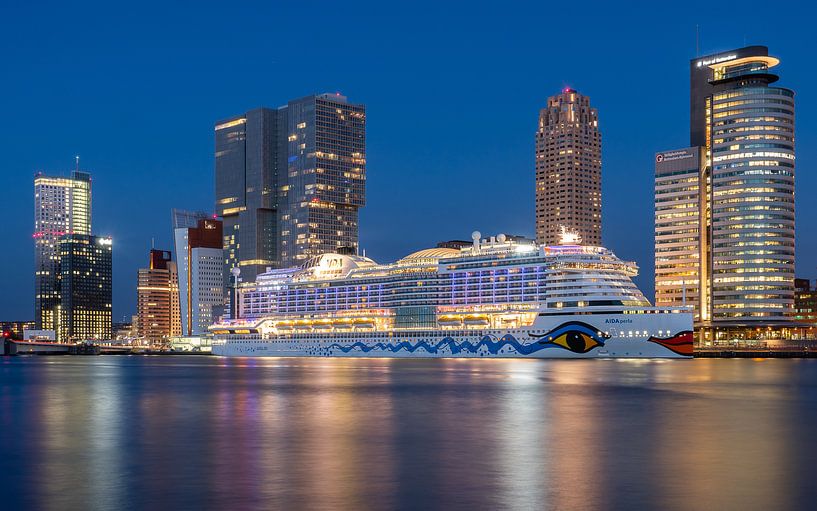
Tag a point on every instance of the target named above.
point(724, 206)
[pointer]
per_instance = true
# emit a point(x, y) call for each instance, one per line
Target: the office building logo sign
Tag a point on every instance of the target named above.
point(717, 60)
point(672, 156)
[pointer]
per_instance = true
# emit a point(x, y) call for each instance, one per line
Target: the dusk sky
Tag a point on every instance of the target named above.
point(452, 91)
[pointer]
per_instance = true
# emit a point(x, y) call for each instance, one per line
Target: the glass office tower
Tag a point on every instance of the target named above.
point(289, 183)
point(325, 182)
point(62, 205)
point(749, 140)
point(744, 128)
point(85, 264)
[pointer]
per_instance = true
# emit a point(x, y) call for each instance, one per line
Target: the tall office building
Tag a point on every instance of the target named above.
point(61, 206)
point(677, 228)
point(246, 190)
point(568, 170)
point(325, 177)
point(290, 182)
point(84, 310)
point(200, 263)
point(157, 299)
point(744, 128)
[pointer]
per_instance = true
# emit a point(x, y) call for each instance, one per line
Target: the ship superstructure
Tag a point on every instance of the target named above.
point(494, 297)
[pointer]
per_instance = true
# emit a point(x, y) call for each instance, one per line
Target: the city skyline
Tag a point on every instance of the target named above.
point(403, 167)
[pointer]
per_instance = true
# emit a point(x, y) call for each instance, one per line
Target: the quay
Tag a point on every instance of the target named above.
point(755, 353)
point(17, 347)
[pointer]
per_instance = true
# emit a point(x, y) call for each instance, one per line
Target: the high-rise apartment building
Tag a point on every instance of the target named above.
point(568, 170)
point(62, 205)
point(84, 309)
point(157, 299)
point(290, 182)
point(200, 264)
point(744, 129)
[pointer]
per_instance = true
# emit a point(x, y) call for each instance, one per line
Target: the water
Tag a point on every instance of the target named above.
point(208, 433)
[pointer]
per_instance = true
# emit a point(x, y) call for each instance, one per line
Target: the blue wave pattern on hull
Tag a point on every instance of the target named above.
point(493, 346)
point(556, 339)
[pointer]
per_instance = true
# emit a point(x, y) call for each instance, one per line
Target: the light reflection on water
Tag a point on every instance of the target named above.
point(210, 433)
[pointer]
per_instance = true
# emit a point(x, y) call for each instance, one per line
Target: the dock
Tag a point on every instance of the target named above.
point(754, 353)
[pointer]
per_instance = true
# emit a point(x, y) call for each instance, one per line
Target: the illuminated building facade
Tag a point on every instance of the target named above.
point(749, 140)
point(85, 288)
point(805, 301)
point(200, 263)
point(677, 228)
point(157, 299)
point(247, 173)
point(744, 128)
point(325, 177)
point(62, 205)
point(289, 183)
point(568, 170)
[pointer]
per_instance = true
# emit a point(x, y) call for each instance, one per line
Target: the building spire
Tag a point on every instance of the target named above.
point(77, 158)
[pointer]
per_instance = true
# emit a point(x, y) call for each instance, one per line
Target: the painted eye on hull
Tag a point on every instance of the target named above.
point(574, 336)
point(575, 341)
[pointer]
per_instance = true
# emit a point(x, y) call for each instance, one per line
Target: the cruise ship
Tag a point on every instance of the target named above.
point(501, 297)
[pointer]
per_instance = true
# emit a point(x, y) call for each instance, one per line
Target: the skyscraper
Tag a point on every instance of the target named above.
point(247, 158)
point(568, 169)
point(744, 128)
point(157, 299)
point(85, 288)
point(61, 206)
point(325, 177)
point(200, 264)
point(290, 182)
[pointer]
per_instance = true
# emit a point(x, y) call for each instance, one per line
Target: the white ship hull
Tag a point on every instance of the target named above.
point(642, 335)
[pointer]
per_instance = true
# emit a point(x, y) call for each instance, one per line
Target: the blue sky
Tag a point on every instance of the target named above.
point(452, 91)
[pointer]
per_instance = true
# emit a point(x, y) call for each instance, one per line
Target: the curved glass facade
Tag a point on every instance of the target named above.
point(751, 132)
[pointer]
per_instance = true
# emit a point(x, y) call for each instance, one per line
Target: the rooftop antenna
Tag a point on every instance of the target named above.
point(77, 158)
point(152, 243)
point(697, 40)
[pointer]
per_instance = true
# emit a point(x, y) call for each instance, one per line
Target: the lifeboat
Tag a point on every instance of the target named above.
point(283, 325)
point(449, 321)
point(477, 319)
point(303, 325)
point(322, 325)
point(342, 323)
point(363, 323)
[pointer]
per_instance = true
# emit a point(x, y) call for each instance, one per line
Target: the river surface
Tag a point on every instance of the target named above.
point(138, 432)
